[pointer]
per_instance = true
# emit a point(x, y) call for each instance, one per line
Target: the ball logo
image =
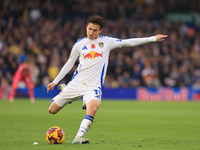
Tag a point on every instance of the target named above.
point(93, 55)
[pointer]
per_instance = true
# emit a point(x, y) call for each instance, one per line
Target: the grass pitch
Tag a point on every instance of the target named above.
point(117, 125)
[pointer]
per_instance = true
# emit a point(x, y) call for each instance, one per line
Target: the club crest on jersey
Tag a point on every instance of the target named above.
point(101, 44)
point(92, 46)
point(93, 55)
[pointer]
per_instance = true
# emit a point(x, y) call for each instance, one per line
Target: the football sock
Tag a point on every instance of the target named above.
point(12, 93)
point(85, 126)
point(31, 93)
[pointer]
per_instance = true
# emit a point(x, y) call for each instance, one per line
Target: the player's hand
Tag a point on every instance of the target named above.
point(50, 86)
point(160, 37)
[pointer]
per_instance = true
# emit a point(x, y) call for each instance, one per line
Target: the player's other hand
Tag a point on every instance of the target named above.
point(160, 37)
point(50, 86)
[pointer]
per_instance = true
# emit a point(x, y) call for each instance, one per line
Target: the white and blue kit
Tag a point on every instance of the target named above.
point(93, 61)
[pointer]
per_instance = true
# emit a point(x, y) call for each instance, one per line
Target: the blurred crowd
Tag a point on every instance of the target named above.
point(47, 29)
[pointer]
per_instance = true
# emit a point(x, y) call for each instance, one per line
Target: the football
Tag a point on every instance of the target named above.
point(55, 135)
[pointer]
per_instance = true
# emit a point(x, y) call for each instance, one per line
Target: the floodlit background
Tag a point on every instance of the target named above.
point(47, 29)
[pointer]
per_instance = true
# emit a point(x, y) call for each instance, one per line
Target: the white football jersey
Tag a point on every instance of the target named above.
point(93, 58)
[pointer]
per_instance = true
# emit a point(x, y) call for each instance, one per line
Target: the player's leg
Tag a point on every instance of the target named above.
point(12, 92)
point(14, 86)
point(57, 103)
point(30, 87)
point(67, 95)
point(54, 108)
point(31, 92)
point(91, 109)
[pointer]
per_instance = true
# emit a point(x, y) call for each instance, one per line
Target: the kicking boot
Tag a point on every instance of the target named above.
point(81, 141)
point(84, 107)
point(11, 99)
point(61, 87)
point(32, 100)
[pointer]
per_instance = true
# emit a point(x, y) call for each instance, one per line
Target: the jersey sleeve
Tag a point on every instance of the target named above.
point(20, 68)
point(118, 43)
point(19, 71)
point(68, 65)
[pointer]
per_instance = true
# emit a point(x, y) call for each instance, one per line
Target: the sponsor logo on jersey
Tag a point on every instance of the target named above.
point(101, 44)
point(93, 55)
point(92, 46)
point(84, 48)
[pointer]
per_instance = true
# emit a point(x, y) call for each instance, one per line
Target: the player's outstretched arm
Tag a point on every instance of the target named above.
point(160, 37)
point(50, 86)
point(137, 41)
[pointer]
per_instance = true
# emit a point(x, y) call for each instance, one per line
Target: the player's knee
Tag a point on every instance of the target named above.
point(31, 86)
point(14, 85)
point(52, 111)
point(54, 108)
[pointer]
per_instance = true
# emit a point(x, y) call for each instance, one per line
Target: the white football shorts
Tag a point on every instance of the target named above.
point(74, 92)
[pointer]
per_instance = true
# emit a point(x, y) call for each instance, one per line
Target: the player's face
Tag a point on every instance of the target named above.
point(93, 31)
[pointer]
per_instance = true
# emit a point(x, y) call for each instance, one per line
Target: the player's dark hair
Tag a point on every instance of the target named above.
point(96, 19)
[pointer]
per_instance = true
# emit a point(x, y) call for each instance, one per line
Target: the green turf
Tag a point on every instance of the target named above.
point(121, 125)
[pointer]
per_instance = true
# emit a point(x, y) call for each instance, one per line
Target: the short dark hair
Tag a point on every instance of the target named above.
point(96, 19)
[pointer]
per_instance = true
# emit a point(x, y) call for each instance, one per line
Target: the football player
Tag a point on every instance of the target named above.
point(23, 73)
point(93, 53)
